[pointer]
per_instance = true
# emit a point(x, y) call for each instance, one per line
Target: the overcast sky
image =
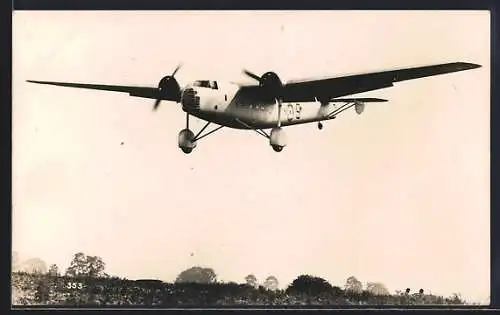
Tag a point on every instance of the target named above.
point(399, 194)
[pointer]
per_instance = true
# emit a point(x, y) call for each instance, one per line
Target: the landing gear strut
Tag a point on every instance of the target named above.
point(277, 138)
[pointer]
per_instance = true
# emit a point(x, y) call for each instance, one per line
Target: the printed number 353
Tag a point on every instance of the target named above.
point(74, 285)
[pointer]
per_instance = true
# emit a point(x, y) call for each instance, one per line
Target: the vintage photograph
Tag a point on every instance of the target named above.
point(180, 159)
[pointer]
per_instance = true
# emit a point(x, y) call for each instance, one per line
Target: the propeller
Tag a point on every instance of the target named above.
point(177, 69)
point(157, 103)
point(252, 75)
point(165, 82)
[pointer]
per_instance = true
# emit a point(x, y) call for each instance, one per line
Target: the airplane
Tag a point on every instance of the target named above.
point(269, 103)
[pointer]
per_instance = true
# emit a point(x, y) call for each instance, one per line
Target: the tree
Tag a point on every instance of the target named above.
point(251, 280)
point(310, 285)
point(78, 266)
point(353, 285)
point(54, 270)
point(271, 283)
point(86, 266)
point(33, 265)
point(377, 288)
point(197, 275)
point(96, 266)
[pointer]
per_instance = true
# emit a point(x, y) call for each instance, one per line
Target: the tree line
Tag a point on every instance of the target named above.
point(93, 267)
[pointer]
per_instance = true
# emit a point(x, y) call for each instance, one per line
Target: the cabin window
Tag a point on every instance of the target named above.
point(202, 83)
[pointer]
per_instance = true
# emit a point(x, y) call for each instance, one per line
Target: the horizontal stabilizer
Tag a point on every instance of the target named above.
point(362, 100)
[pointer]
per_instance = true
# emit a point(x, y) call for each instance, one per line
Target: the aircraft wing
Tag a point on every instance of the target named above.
point(138, 91)
point(331, 88)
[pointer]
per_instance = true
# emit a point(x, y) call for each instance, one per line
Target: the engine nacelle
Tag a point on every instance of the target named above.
point(271, 84)
point(277, 139)
point(186, 142)
point(359, 107)
point(169, 88)
point(190, 100)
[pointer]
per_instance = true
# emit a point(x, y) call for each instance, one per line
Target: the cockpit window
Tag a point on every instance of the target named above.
point(202, 83)
point(206, 84)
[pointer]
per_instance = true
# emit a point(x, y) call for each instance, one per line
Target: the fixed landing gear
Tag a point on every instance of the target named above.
point(277, 137)
point(188, 140)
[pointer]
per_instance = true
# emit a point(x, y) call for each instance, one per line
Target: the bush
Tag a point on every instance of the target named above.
point(310, 285)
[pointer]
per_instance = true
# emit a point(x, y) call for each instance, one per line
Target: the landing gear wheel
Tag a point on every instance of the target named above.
point(320, 126)
point(277, 148)
point(187, 141)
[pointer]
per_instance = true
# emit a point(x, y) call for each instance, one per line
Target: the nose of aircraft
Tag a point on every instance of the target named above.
point(190, 100)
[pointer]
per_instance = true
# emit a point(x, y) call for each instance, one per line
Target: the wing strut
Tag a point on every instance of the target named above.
point(339, 110)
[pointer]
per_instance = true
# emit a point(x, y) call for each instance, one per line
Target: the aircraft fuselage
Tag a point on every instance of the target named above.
point(224, 106)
